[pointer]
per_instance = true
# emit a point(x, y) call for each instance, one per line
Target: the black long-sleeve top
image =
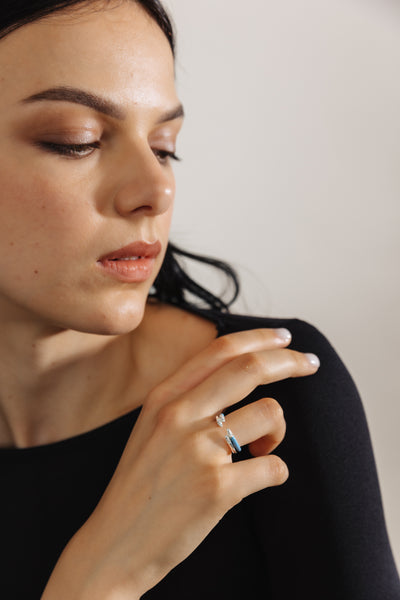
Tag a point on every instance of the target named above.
point(321, 535)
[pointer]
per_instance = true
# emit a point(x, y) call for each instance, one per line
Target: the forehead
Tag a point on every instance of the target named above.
point(119, 51)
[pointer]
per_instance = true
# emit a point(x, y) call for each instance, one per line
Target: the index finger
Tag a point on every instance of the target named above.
point(219, 352)
point(236, 379)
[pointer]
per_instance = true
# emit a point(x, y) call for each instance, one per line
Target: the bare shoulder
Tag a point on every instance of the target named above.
point(166, 338)
point(179, 331)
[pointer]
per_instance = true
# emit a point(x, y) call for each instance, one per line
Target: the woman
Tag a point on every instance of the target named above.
point(142, 439)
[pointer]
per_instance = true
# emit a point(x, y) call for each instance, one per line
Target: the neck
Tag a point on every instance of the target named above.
point(55, 383)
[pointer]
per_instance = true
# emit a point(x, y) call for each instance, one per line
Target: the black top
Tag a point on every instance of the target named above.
point(321, 535)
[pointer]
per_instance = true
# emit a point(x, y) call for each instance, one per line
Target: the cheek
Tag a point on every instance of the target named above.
point(36, 217)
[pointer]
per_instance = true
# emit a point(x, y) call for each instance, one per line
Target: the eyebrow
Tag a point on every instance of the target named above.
point(98, 103)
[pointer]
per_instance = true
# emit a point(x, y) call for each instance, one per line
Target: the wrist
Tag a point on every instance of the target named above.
point(77, 577)
point(83, 573)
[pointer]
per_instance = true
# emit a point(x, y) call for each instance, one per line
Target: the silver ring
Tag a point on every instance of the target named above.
point(230, 438)
point(232, 442)
point(220, 419)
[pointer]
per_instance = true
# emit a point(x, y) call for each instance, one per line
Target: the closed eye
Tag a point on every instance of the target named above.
point(164, 155)
point(75, 150)
point(70, 150)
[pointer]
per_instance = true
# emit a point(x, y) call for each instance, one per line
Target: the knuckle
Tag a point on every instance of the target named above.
point(158, 396)
point(278, 470)
point(225, 345)
point(169, 416)
point(251, 362)
point(271, 410)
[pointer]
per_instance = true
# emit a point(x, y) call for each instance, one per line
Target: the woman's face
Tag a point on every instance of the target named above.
point(60, 213)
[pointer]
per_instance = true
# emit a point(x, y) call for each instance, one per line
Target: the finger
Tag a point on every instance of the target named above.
point(252, 475)
point(262, 446)
point(218, 352)
point(237, 378)
point(261, 421)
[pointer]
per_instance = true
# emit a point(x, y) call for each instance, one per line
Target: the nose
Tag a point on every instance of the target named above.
point(144, 185)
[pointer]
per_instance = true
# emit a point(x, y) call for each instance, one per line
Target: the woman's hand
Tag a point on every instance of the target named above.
point(176, 479)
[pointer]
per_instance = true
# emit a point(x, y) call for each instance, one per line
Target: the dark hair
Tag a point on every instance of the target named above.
point(172, 285)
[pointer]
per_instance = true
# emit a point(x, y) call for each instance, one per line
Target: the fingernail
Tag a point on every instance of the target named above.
point(313, 359)
point(283, 334)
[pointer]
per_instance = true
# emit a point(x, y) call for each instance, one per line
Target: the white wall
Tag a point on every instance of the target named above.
point(291, 153)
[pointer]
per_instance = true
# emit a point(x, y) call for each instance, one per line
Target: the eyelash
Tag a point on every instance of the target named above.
point(71, 150)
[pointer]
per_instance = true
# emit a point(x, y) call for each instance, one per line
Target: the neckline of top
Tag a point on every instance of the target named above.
point(71, 441)
point(8, 451)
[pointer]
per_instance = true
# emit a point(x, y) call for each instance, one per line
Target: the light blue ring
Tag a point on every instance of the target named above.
point(232, 442)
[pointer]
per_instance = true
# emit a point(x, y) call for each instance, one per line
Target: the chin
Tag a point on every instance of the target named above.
point(117, 321)
point(106, 320)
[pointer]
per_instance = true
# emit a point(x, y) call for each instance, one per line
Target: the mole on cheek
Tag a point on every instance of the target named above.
point(36, 272)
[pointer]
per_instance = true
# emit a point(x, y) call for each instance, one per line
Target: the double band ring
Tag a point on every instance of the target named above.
point(230, 438)
point(232, 442)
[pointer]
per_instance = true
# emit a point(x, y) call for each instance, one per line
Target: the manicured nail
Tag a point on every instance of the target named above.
point(313, 360)
point(283, 334)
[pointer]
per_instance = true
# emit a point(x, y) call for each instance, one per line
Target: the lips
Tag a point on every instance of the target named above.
point(136, 249)
point(131, 264)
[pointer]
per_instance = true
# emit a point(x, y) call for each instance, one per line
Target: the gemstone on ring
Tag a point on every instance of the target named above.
point(220, 419)
point(232, 442)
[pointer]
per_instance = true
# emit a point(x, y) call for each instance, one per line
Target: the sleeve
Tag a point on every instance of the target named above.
point(323, 532)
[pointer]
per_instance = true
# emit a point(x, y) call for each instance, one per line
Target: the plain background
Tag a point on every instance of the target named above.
point(290, 172)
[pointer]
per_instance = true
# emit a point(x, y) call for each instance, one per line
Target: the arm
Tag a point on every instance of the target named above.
point(175, 479)
point(329, 538)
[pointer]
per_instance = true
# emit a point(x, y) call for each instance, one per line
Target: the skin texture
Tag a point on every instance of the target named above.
point(66, 327)
point(64, 324)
